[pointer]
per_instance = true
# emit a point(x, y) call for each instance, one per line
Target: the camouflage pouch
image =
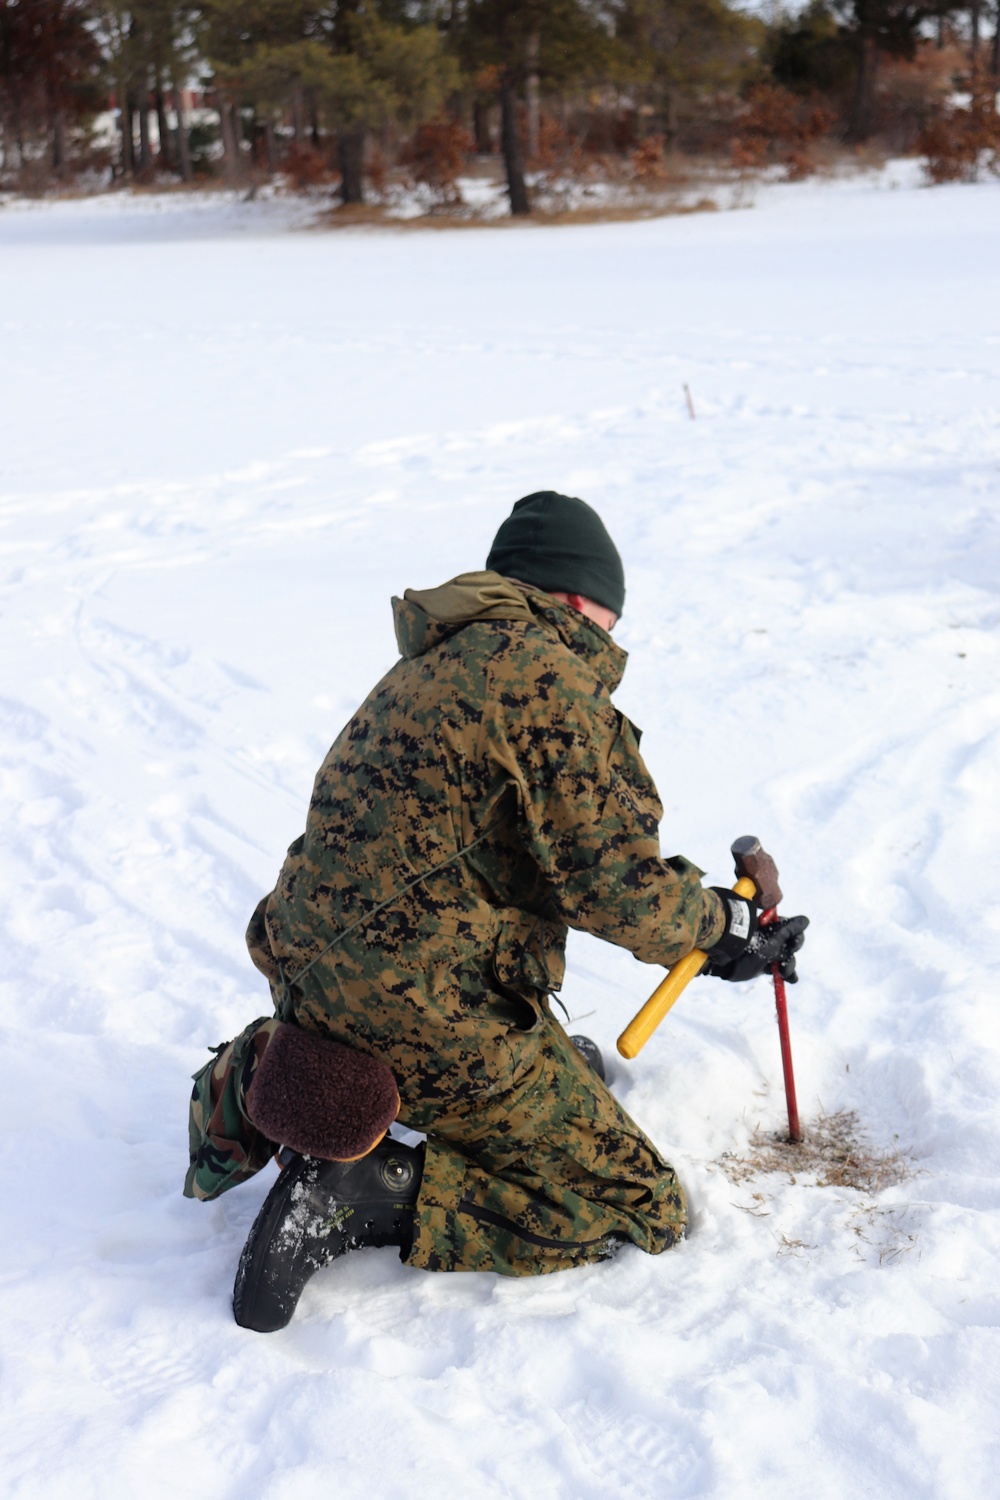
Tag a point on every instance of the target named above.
point(226, 1147)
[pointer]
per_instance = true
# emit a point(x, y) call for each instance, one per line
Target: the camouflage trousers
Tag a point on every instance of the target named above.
point(548, 1174)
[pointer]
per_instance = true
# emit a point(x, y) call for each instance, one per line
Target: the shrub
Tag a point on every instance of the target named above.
point(911, 92)
point(559, 153)
point(605, 130)
point(964, 139)
point(437, 154)
point(307, 166)
point(777, 125)
point(648, 163)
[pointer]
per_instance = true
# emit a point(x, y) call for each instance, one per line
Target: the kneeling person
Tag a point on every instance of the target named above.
point(485, 797)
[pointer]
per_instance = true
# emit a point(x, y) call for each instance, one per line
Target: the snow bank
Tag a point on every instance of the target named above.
point(225, 447)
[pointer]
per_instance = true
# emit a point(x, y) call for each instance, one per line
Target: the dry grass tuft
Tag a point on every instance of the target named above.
point(832, 1153)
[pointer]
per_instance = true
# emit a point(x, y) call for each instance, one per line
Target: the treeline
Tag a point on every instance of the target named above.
point(310, 87)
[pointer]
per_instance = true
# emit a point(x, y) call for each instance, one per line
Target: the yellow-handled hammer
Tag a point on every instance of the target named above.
point(758, 882)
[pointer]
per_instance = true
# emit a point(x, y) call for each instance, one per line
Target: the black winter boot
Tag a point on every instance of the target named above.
point(591, 1053)
point(316, 1211)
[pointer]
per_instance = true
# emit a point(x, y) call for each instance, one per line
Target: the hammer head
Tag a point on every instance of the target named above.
point(759, 867)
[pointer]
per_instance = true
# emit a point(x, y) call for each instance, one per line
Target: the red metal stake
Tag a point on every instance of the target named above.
point(780, 1005)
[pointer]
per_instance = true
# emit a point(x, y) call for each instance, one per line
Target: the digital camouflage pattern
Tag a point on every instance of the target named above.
point(225, 1146)
point(494, 734)
point(547, 1174)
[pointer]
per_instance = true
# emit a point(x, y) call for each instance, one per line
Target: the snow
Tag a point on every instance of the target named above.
point(226, 443)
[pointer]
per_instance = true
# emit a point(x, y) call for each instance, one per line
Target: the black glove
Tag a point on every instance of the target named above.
point(741, 924)
point(777, 943)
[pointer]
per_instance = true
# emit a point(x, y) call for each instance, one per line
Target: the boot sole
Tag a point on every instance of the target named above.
point(300, 1229)
point(282, 1252)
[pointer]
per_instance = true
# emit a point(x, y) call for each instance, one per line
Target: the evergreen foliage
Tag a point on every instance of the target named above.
point(876, 29)
point(680, 52)
point(350, 90)
point(50, 78)
point(810, 53)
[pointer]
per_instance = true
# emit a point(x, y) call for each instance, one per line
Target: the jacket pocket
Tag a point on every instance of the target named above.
point(529, 956)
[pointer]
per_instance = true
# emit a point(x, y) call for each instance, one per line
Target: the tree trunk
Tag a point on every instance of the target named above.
point(230, 142)
point(669, 118)
point(165, 154)
point(313, 126)
point(532, 91)
point(513, 153)
point(125, 125)
point(352, 155)
point(298, 115)
point(974, 13)
point(145, 154)
point(19, 132)
point(862, 121)
point(270, 147)
point(481, 128)
point(183, 144)
point(58, 142)
point(995, 59)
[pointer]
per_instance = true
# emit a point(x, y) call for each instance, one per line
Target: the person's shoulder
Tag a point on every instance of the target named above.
point(536, 666)
point(525, 642)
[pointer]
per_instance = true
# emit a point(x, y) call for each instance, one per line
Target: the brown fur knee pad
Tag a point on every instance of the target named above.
point(321, 1098)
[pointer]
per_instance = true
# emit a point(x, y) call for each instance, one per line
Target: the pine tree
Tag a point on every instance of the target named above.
point(528, 44)
point(875, 27)
point(344, 65)
point(680, 50)
point(49, 77)
point(148, 47)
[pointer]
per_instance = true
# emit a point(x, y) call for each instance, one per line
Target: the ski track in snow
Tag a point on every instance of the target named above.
point(225, 446)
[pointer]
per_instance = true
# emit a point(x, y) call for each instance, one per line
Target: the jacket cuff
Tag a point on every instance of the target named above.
point(713, 919)
point(740, 924)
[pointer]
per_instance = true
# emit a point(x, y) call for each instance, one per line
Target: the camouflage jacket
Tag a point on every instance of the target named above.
point(485, 795)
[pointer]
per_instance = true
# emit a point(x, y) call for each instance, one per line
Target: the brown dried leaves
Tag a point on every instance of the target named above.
point(832, 1153)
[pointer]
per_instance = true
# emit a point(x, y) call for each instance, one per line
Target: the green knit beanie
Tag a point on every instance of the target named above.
point(558, 542)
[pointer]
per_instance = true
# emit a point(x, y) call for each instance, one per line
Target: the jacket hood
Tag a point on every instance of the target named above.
point(425, 617)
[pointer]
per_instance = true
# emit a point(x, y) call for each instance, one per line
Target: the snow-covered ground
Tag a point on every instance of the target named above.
point(225, 444)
